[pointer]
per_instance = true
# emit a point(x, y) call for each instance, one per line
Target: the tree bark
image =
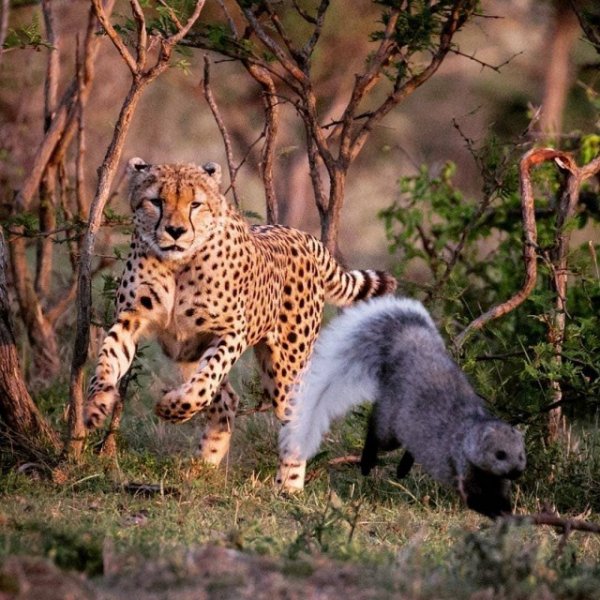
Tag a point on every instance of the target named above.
point(20, 420)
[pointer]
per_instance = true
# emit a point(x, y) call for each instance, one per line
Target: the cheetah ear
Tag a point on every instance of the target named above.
point(214, 170)
point(136, 165)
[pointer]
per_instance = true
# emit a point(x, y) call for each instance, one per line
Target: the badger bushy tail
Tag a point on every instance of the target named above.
point(345, 369)
point(330, 388)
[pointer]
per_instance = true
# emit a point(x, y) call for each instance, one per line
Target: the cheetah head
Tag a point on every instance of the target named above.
point(175, 207)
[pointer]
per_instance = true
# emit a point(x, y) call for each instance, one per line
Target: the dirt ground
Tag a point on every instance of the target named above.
point(210, 572)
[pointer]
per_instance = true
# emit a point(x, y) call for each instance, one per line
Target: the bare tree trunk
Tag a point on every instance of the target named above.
point(330, 222)
point(18, 413)
point(565, 29)
point(42, 339)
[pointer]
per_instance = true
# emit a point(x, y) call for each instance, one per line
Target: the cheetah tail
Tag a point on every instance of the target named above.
point(351, 286)
point(345, 287)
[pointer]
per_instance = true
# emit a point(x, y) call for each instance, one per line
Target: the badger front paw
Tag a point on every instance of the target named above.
point(177, 406)
point(98, 406)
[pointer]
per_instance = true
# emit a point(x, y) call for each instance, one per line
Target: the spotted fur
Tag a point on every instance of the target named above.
point(207, 286)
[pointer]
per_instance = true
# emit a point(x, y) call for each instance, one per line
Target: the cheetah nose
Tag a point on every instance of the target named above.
point(175, 232)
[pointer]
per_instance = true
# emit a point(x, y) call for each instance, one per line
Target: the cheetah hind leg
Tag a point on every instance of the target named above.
point(216, 437)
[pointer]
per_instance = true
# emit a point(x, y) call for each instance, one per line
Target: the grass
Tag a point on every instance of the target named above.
point(412, 536)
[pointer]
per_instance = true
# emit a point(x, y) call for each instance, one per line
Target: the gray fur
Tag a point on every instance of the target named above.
point(423, 402)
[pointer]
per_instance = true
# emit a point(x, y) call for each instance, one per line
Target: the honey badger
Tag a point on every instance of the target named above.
point(388, 351)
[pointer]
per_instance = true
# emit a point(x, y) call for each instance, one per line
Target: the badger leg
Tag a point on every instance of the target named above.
point(368, 458)
point(405, 465)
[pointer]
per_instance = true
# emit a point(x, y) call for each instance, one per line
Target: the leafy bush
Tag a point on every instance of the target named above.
point(461, 257)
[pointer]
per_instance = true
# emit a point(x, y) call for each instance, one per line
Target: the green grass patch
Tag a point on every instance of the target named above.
point(411, 536)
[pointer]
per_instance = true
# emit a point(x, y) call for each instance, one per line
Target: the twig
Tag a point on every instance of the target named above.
point(553, 520)
point(483, 64)
point(350, 459)
point(115, 38)
point(259, 408)
point(4, 12)
point(263, 77)
point(208, 95)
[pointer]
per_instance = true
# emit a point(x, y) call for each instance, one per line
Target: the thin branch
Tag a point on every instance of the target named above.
point(114, 37)
point(592, 34)
point(270, 43)
point(532, 158)
point(461, 11)
point(58, 134)
point(229, 19)
point(271, 129)
point(142, 37)
point(577, 175)
point(172, 14)
point(316, 34)
point(281, 30)
point(364, 83)
point(52, 66)
point(553, 520)
point(308, 18)
point(208, 95)
point(482, 63)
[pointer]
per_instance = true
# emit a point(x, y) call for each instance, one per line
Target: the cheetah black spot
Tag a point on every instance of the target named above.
point(186, 406)
point(189, 312)
point(200, 321)
point(292, 337)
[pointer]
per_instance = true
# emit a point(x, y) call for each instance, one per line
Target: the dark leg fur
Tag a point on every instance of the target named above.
point(488, 494)
point(373, 444)
point(369, 454)
point(405, 465)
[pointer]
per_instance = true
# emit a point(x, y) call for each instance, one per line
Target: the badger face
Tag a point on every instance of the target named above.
point(496, 448)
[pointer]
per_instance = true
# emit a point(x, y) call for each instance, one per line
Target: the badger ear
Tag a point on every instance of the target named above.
point(214, 170)
point(136, 165)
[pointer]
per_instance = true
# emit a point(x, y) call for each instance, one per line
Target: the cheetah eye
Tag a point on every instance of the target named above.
point(155, 202)
point(195, 204)
point(501, 455)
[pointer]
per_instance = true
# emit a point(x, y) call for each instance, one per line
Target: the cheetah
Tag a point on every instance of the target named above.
point(207, 286)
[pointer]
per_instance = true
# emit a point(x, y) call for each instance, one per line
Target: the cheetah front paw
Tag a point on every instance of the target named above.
point(176, 406)
point(98, 406)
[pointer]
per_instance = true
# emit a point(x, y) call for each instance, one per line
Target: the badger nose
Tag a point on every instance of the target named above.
point(515, 474)
point(175, 232)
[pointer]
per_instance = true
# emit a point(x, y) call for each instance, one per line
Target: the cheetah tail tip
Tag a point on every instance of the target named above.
point(387, 283)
